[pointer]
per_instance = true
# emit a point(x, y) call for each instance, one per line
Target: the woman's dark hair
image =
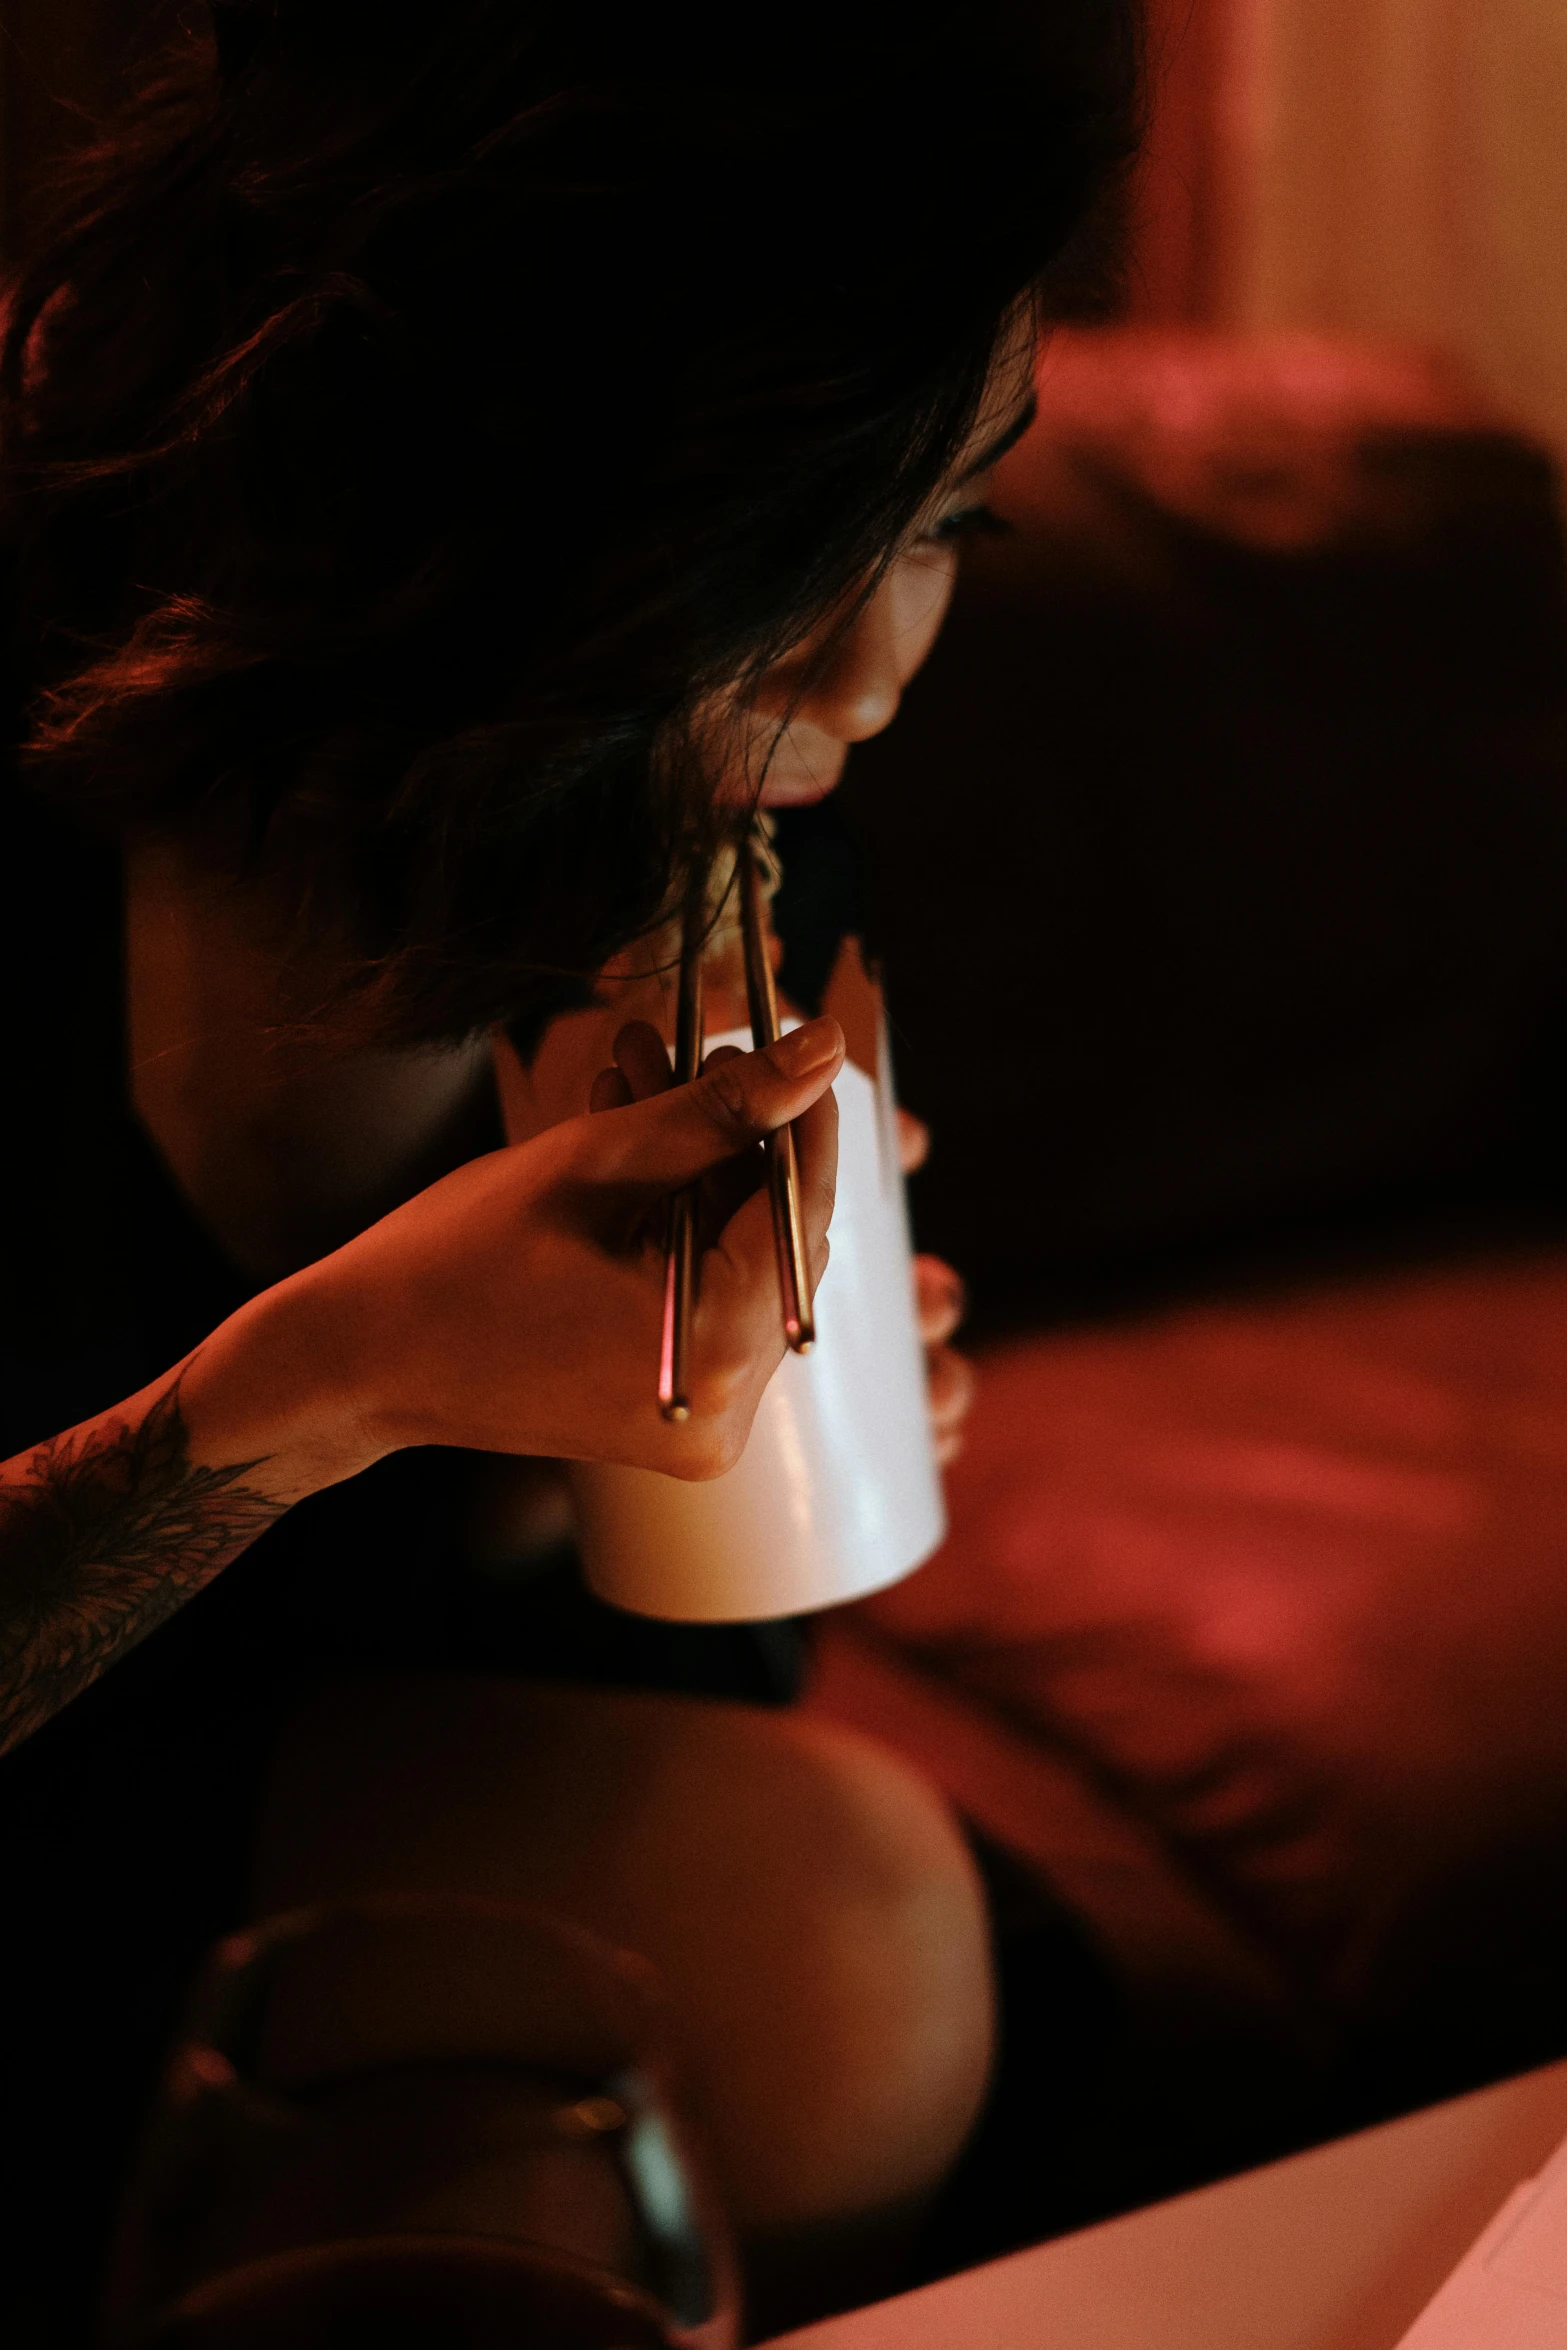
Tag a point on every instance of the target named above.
point(422, 403)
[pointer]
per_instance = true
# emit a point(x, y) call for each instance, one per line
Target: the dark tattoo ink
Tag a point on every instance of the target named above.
point(106, 1532)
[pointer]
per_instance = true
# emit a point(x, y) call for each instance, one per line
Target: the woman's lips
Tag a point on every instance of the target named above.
point(794, 783)
point(796, 795)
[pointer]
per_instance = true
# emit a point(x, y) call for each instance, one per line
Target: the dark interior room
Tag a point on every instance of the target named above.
point(1022, 1800)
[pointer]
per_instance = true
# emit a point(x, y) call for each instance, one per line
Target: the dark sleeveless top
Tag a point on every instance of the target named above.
point(124, 1823)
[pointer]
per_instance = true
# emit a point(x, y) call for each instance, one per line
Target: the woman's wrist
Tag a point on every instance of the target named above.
point(279, 1386)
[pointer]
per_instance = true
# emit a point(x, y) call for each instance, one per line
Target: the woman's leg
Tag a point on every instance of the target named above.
point(807, 1899)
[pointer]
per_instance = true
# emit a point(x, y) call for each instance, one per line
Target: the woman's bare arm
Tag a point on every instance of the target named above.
point(109, 1527)
point(104, 1532)
point(515, 1306)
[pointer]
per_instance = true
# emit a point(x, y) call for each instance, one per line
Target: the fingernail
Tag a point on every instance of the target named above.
point(955, 1293)
point(805, 1049)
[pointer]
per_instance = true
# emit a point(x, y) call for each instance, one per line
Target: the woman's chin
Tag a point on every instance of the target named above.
point(801, 791)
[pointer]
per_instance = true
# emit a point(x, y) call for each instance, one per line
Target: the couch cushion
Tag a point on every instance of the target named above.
point(1284, 1584)
point(1219, 854)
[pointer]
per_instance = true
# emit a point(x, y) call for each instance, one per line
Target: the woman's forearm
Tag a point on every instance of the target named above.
point(107, 1529)
point(515, 1306)
point(104, 1532)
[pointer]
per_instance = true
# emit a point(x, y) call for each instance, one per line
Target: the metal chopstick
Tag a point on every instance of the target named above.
point(674, 1374)
point(783, 1166)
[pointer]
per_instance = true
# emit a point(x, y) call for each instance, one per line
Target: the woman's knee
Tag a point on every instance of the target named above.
point(807, 1899)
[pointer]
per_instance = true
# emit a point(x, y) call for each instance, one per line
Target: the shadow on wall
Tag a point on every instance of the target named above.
point(1221, 850)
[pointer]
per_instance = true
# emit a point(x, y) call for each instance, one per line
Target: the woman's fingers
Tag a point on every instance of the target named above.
point(671, 1139)
point(642, 1057)
point(940, 1299)
point(940, 1302)
point(739, 1321)
point(672, 1135)
point(743, 1252)
point(951, 1384)
point(641, 1069)
point(913, 1142)
point(816, 1154)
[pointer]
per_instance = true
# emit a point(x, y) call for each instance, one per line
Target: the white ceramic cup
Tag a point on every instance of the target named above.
point(837, 1492)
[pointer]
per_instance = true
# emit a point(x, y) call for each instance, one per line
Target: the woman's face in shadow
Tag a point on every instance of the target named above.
point(843, 683)
point(790, 735)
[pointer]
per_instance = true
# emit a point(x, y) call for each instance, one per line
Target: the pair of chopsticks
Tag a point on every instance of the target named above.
point(783, 1166)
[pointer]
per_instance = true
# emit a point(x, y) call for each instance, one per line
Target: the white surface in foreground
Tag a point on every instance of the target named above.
point(1511, 2287)
point(1338, 2249)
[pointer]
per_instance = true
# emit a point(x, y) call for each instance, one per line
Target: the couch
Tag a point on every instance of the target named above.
point(1222, 899)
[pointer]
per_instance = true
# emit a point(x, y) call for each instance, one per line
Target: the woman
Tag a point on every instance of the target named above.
point(455, 459)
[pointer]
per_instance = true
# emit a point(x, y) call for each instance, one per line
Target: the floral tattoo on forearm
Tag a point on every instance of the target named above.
point(104, 1532)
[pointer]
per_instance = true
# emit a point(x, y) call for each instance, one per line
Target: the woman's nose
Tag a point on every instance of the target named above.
point(856, 693)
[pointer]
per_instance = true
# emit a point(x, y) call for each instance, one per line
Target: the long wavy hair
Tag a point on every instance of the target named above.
point(416, 410)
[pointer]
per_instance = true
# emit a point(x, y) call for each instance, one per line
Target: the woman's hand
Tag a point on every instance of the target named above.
point(517, 1305)
point(940, 1303)
point(560, 1076)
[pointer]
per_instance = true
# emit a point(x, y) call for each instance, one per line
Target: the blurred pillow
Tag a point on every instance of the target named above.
point(1285, 1584)
point(1218, 858)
